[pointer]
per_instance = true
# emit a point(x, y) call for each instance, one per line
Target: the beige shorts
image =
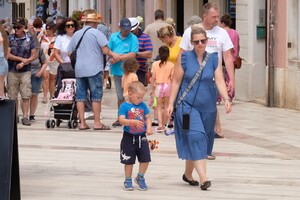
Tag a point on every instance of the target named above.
point(19, 82)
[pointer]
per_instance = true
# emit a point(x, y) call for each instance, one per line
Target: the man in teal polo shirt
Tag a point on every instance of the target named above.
point(126, 45)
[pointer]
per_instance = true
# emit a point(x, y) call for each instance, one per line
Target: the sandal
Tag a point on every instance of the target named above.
point(160, 129)
point(205, 185)
point(211, 157)
point(103, 127)
point(191, 182)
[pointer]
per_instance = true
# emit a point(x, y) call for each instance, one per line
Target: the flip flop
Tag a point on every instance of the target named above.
point(84, 128)
point(103, 127)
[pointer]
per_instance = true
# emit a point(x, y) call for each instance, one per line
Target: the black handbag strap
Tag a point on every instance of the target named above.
point(193, 81)
point(77, 46)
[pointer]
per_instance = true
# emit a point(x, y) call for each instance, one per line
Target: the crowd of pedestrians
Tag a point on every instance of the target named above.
point(187, 76)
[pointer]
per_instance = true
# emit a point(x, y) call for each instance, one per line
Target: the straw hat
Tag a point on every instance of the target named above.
point(92, 17)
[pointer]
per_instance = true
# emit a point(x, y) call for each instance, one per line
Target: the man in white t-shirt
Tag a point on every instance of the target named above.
point(218, 41)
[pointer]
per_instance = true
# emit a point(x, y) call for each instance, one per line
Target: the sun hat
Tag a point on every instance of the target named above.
point(125, 24)
point(134, 23)
point(92, 17)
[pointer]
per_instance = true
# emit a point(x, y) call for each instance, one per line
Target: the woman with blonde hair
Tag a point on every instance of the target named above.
point(3, 59)
point(168, 36)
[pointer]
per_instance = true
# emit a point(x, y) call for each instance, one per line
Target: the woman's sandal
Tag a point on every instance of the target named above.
point(160, 129)
point(192, 182)
point(103, 127)
point(205, 185)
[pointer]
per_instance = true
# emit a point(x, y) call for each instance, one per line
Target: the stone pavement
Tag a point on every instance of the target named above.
point(259, 158)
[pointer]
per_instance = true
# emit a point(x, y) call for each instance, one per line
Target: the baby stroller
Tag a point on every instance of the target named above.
point(63, 107)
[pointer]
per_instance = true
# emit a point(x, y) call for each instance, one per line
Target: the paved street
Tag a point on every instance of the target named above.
point(259, 158)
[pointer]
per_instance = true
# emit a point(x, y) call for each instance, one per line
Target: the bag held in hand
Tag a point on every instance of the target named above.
point(238, 62)
point(74, 53)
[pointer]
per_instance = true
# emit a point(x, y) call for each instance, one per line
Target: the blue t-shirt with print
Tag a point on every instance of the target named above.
point(137, 112)
point(20, 47)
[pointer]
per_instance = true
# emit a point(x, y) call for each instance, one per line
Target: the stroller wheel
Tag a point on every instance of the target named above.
point(48, 123)
point(53, 123)
point(69, 124)
point(58, 121)
point(74, 124)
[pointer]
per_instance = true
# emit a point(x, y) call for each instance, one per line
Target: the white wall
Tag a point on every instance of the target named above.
point(251, 78)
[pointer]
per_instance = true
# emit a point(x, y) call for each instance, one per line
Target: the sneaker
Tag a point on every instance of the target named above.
point(25, 121)
point(140, 181)
point(44, 100)
point(89, 115)
point(128, 185)
point(169, 131)
point(17, 119)
point(155, 123)
point(31, 118)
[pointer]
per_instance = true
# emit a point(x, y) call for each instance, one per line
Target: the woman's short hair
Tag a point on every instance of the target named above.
point(226, 19)
point(37, 23)
point(61, 29)
point(196, 29)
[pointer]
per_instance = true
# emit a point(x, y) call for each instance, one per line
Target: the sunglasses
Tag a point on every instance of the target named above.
point(17, 27)
point(196, 42)
point(69, 25)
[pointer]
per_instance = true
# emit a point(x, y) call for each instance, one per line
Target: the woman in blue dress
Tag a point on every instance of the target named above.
point(192, 132)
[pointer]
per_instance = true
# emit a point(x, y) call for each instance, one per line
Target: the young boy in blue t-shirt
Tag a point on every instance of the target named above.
point(135, 117)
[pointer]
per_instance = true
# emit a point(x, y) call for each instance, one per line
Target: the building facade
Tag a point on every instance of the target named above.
point(269, 38)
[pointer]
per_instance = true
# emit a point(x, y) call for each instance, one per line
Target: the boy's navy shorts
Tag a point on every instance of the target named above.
point(133, 146)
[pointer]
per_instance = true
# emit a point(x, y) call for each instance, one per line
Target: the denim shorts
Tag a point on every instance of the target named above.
point(93, 83)
point(36, 84)
point(119, 89)
point(3, 66)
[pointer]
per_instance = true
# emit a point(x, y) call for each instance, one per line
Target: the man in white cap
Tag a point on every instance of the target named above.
point(88, 71)
point(145, 50)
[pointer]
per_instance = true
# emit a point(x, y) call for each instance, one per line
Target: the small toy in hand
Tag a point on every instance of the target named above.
point(153, 144)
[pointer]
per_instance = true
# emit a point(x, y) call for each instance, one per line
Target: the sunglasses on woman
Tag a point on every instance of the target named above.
point(69, 25)
point(196, 42)
point(17, 27)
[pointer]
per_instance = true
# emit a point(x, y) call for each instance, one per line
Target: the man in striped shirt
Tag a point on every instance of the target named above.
point(145, 50)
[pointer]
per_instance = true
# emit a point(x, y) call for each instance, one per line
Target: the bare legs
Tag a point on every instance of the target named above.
point(200, 166)
point(33, 104)
point(161, 112)
point(52, 79)
point(189, 167)
point(80, 109)
point(218, 128)
point(2, 86)
point(45, 85)
point(142, 169)
point(96, 109)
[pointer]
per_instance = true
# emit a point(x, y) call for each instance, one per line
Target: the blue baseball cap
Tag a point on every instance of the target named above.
point(125, 24)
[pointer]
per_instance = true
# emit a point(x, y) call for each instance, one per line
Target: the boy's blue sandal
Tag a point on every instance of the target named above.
point(128, 185)
point(140, 181)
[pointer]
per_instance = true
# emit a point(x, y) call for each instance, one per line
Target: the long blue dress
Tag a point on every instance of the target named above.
point(200, 103)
